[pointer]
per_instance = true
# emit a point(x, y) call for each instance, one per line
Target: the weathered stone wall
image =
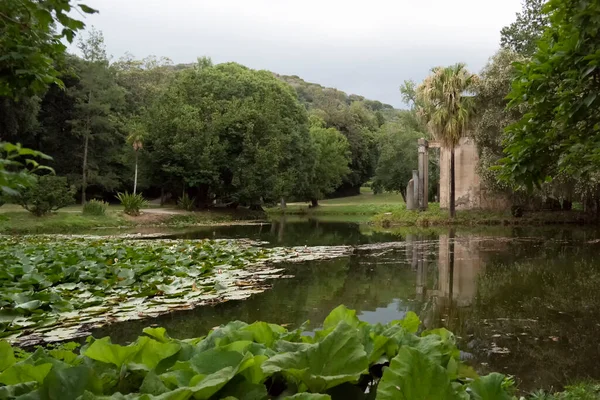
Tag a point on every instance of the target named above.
point(469, 192)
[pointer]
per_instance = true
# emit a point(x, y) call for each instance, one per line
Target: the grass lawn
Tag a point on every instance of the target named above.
point(16, 220)
point(366, 203)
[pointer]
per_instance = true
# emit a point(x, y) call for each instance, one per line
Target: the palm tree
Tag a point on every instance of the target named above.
point(446, 107)
point(137, 134)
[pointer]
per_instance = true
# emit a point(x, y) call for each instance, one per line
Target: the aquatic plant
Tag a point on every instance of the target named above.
point(346, 359)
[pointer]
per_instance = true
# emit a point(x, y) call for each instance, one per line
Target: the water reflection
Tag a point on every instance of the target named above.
point(524, 302)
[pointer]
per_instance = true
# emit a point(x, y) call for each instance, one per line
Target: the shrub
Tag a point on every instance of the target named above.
point(95, 207)
point(187, 203)
point(132, 202)
point(49, 193)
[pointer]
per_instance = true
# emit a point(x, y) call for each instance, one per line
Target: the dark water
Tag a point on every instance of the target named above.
point(524, 302)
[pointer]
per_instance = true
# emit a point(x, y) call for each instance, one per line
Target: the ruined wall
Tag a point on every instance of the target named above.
point(469, 191)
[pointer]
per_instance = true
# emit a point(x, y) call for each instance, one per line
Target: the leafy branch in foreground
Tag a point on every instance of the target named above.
point(17, 165)
point(344, 360)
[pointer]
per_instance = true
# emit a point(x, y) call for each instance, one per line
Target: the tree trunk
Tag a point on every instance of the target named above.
point(162, 196)
point(282, 204)
point(451, 236)
point(314, 202)
point(452, 185)
point(84, 168)
point(135, 174)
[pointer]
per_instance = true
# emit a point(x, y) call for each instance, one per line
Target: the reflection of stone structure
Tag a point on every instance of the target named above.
point(461, 282)
point(470, 193)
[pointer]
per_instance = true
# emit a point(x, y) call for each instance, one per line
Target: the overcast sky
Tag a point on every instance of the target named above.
point(364, 47)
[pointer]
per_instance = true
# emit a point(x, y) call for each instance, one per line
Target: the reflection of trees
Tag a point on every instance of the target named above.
point(538, 299)
point(363, 283)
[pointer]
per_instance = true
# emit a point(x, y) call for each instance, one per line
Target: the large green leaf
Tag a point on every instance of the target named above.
point(339, 357)
point(410, 322)
point(21, 372)
point(14, 391)
point(70, 383)
point(105, 351)
point(7, 357)
point(489, 387)
point(338, 314)
point(412, 375)
point(309, 396)
point(151, 352)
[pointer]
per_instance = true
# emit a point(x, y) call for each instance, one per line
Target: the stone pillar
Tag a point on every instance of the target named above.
point(410, 195)
point(423, 177)
point(417, 186)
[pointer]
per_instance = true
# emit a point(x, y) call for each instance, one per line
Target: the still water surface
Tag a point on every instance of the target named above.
point(524, 302)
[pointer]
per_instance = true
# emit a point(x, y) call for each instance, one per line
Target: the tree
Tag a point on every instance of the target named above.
point(560, 132)
point(136, 137)
point(493, 115)
point(231, 132)
point(522, 35)
point(46, 194)
point(446, 107)
point(97, 100)
point(31, 34)
point(331, 161)
point(397, 147)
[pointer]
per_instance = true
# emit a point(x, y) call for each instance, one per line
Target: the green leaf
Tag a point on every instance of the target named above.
point(70, 383)
point(7, 357)
point(87, 10)
point(341, 313)
point(159, 334)
point(20, 373)
point(410, 322)
point(103, 350)
point(14, 391)
point(489, 387)
point(414, 376)
point(309, 396)
point(338, 358)
point(150, 352)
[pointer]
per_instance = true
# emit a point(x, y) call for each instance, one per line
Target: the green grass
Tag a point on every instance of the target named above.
point(436, 216)
point(19, 222)
point(366, 203)
point(16, 220)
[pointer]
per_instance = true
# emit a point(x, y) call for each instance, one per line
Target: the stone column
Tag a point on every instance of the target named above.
point(422, 193)
point(410, 195)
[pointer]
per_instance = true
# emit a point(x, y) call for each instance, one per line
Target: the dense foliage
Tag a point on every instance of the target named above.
point(346, 359)
point(95, 207)
point(559, 132)
point(31, 34)
point(55, 286)
point(47, 194)
point(522, 35)
point(17, 168)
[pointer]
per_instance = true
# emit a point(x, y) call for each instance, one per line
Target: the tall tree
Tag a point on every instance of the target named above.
point(522, 35)
point(560, 132)
point(98, 100)
point(231, 132)
point(31, 34)
point(332, 159)
point(447, 107)
point(135, 138)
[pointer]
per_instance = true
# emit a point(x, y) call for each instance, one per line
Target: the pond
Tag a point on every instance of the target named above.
point(523, 302)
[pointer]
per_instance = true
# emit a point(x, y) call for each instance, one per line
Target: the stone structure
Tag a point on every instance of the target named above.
point(410, 195)
point(470, 194)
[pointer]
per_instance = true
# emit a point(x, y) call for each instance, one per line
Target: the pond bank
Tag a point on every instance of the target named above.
point(436, 217)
